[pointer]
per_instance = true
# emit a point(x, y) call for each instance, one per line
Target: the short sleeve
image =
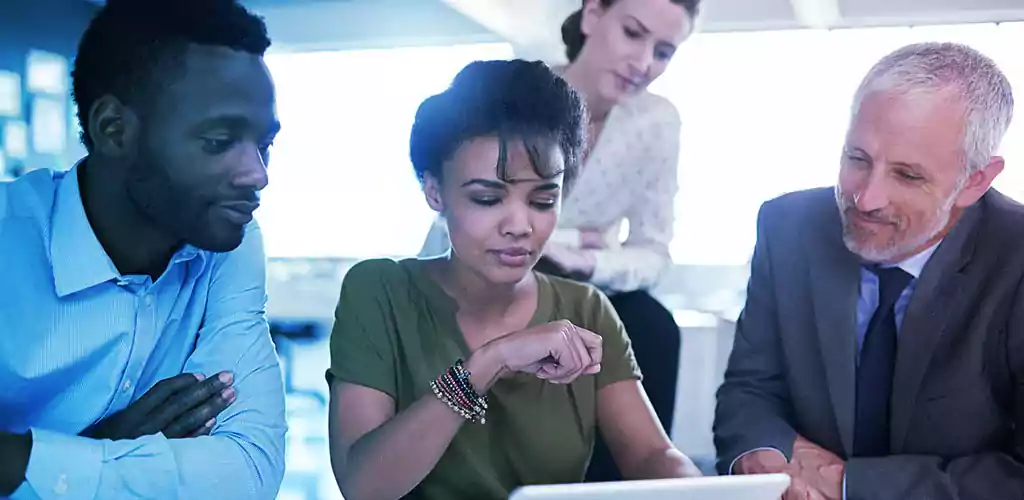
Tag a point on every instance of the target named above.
point(363, 333)
point(618, 363)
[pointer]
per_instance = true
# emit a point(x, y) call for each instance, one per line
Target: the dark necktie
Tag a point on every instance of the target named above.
point(876, 367)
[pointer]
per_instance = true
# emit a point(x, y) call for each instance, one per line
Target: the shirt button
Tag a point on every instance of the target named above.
point(62, 485)
point(126, 386)
point(148, 299)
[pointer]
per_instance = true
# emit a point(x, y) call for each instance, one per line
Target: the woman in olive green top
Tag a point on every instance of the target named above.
point(546, 361)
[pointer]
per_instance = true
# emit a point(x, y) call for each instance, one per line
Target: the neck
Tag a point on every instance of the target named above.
point(578, 77)
point(477, 296)
point(130, 239)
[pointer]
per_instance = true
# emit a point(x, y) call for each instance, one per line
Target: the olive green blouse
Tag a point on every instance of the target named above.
point(395, 330)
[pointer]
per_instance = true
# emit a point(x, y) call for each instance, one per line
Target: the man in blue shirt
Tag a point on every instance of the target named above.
point(135, 356)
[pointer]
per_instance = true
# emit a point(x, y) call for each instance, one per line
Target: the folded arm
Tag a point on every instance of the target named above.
point(753, 402)
point(243, 457)
point(644, 256)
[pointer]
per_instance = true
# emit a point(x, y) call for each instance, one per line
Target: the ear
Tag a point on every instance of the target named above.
point(979, 182)
point(113, 127)
point(591, 15)
point(432, 192)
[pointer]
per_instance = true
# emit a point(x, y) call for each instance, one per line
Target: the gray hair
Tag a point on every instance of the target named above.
point(930, 67)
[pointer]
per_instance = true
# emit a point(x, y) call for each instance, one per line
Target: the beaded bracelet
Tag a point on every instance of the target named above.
point(454, 389)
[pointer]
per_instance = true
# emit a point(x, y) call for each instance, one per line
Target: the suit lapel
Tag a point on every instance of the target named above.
point(835, 283)
point(938, 294)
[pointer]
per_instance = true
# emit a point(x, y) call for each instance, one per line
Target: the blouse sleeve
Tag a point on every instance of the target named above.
point(644, 256)
point(361, 340)
point(618, 362)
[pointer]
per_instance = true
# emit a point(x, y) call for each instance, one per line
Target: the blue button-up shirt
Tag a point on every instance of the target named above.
point(79, 342)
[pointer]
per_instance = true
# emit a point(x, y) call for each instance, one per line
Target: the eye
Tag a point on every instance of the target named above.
point(909, 176)
point(632, 33)
point(217, 145)
point(857, 160)
point(486, 202)
point(543, 204)
point(663, 54)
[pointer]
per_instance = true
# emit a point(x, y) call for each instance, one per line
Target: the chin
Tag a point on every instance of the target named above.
point(507, 275)
point(218, 241)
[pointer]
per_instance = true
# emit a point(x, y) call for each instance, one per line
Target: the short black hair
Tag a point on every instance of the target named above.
point(572, 31)
point(507, 99)
point(129, 40)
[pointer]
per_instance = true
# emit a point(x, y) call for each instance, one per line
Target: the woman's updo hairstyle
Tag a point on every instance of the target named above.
point(572, 30)
point(512, 100)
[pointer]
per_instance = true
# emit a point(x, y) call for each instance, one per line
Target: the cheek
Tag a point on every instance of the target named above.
point(469, 227)
point(544, 223)
point(657, 69)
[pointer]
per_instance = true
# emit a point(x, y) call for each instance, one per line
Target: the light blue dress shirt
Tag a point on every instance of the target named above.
point(79, 342)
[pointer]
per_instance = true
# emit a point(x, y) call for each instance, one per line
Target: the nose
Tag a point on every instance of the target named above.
point(251, 172)
point(516, 222)
point(873, 193)
point(640, 63)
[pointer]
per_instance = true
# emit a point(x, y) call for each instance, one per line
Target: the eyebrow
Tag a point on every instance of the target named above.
point(913, 166)
point(492, 184)
point(236, 122)
point(641, 23)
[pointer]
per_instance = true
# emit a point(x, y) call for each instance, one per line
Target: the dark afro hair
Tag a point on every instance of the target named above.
point(129, 40)
point(507, 99)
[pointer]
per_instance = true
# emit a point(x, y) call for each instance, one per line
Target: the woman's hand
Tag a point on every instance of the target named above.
point(558, 352)
point(575, 264)
point(592, 239)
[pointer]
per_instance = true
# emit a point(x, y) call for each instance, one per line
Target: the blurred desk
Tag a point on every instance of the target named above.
point(706, 344)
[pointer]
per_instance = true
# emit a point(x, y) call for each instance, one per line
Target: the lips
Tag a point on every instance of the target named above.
point(513, 257)
point(628, 83)
point(238, 212)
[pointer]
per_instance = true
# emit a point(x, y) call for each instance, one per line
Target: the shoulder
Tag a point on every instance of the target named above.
point(1002, 224)
point(26, 206)
point(801, 206)
point(375, 274)
point(581, 303)
point(380, 282)
point(30, 195)
point(652, 109)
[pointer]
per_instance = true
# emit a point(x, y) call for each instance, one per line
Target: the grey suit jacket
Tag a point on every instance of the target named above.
point(957, 428)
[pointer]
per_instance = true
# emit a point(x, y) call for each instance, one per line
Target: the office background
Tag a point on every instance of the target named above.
point(763, 90)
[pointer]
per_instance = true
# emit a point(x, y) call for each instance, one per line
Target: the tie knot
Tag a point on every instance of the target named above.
point(891, 283)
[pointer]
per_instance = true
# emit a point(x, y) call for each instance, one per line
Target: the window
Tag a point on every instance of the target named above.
point(341, 181)
point(765, 113)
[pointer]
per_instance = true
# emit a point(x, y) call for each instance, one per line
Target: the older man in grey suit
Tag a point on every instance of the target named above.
point(881, 351)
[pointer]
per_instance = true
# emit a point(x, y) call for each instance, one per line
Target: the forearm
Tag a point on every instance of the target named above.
point(629, 268)
point(73, 467)
point(977, 477)
point(388, 462)
point(391, 460)
point(14, 454)
point(664, 464)
point(749, 419)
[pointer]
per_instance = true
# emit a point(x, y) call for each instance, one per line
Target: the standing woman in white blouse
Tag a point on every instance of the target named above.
point(616, 48)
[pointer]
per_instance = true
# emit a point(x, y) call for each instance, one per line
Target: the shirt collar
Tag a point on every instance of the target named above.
point(914, 264)
point(78, 259)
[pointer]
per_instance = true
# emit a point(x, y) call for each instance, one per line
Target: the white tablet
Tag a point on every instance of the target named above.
point(752, 487)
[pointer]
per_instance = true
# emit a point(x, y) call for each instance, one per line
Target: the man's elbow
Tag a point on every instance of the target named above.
point(264, 465)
